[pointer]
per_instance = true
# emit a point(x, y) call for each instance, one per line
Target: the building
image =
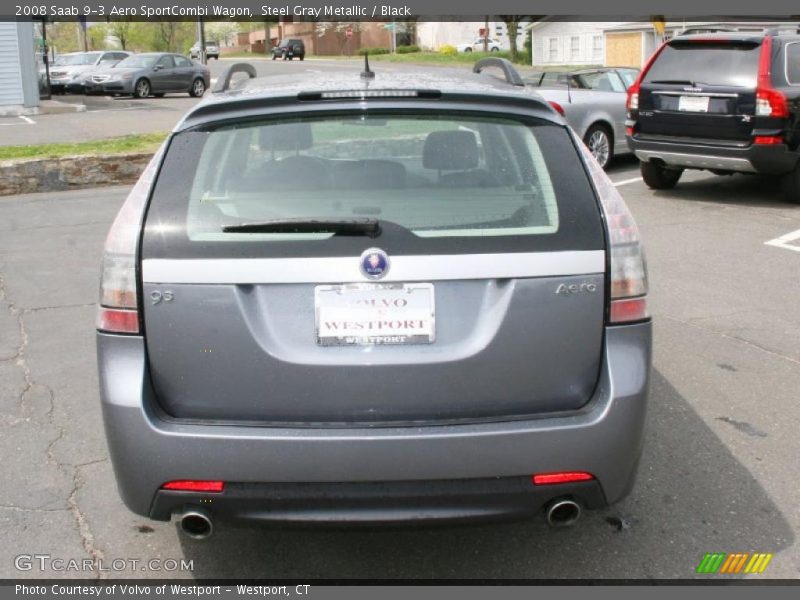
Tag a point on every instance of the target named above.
point(559, 43)
point(19, 82)
point(432, 34)
point(334, 41)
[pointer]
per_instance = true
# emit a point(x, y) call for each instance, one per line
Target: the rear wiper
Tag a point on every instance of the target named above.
point(365, 226)
point(673, 81)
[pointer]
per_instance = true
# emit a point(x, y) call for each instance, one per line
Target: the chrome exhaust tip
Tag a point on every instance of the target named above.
point(196, 524)
point(563, 513)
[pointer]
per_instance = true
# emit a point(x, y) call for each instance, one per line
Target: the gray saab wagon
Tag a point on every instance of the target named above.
point(401, 297)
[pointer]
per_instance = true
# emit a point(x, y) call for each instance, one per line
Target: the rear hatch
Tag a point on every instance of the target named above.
point(373, 267)
point(701, 89)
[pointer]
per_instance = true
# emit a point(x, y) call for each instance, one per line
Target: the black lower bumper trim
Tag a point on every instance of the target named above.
point(375, 502)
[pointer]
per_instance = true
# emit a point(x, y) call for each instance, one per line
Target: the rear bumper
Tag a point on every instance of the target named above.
point(764, 159)
point(436, 463)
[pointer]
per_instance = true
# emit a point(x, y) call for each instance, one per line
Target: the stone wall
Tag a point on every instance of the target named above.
point(26, 176)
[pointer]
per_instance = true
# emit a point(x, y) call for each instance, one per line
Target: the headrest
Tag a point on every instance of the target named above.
point(450, 151)
point(286, 136)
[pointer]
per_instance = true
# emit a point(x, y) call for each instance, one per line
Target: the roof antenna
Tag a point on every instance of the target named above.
point(366, 73)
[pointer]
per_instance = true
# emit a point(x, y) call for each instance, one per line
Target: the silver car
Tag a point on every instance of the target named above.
point(151, 74)
point(593, 102)
point(390, 298)
point(69, 70)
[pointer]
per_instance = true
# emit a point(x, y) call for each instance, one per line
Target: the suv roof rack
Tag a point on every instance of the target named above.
point(511, 74)
point(224, 81)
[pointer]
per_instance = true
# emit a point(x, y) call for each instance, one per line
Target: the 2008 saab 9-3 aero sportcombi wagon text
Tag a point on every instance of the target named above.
point(365, 299)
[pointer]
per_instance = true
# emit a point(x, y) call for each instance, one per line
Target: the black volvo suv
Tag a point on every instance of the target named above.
point(725, 102)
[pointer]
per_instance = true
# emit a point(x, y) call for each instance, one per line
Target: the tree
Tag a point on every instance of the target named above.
point(222, 32)
point(122, 31)
point(512, 27)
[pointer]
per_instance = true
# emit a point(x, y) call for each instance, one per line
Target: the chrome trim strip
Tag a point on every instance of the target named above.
point(786, 64)
point(346, 269)
point(709, 94)
point(697, 161)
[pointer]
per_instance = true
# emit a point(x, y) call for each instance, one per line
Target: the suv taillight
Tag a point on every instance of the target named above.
point(118, 310)
point(769, 101)
point(632, 102)
point(628, 278)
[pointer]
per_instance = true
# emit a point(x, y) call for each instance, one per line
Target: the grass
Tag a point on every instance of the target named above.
point(145, 142)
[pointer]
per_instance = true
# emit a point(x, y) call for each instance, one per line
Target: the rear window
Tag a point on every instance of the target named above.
point(710, 63)
point(467, 183)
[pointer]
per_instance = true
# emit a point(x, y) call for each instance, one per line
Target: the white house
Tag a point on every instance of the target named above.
point(558, 42)
point(19, 87)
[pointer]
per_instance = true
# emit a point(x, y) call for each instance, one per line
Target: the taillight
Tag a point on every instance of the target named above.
point(769, 101)
point(193, 485)
point(632, 102)
point(557, 107)
point(561, 477)
point(628, 277)
point(118, 310)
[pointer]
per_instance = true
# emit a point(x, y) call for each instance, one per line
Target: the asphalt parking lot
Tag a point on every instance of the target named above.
point(106, 117)
point(719, 471)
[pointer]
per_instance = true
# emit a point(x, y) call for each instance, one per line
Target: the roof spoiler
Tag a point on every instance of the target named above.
point(504, 65)
point(224, 81)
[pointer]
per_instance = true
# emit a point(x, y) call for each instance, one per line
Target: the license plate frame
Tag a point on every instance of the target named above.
point(696, 104)
point(385, 319)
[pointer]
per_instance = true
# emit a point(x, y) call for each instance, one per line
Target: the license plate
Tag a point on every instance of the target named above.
point(693, 103)
point(369, 314)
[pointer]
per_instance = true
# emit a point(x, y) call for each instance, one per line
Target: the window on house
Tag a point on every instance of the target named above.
point(552, 51)
point(574, 47)
point(597, 47)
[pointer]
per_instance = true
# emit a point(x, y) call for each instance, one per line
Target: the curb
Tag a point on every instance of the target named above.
point(32, 175)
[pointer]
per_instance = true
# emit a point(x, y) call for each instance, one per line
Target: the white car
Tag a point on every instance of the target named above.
point(492, 44)
point(68, 70)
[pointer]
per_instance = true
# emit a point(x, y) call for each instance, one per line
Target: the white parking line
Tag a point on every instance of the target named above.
point(627, 181)
point(28, 120)
point(785, 241)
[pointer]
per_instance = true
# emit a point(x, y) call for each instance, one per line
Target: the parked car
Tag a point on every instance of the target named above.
point(408, 296)
point(151, 73)
point(68, 70)
point(593, 102)
point(726, 102)
point(492, 45)
point(289, 48)
point(212, 50)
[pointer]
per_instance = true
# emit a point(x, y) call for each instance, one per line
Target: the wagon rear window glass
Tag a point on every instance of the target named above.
point(432, 176)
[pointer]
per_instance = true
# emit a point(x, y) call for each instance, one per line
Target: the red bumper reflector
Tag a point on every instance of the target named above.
point(629, 309)
point(768, 140)
point(117, 320)
point(565, 477)
point(629, 131)
point(191, 485)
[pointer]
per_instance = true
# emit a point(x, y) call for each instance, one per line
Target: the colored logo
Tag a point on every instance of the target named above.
point(720, 563)
point(374, 263)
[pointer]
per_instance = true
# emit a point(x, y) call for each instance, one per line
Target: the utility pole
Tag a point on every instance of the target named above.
point(201, 39)
point(486, 35)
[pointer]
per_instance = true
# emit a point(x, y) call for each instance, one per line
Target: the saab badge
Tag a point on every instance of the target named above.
point(374, 263)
